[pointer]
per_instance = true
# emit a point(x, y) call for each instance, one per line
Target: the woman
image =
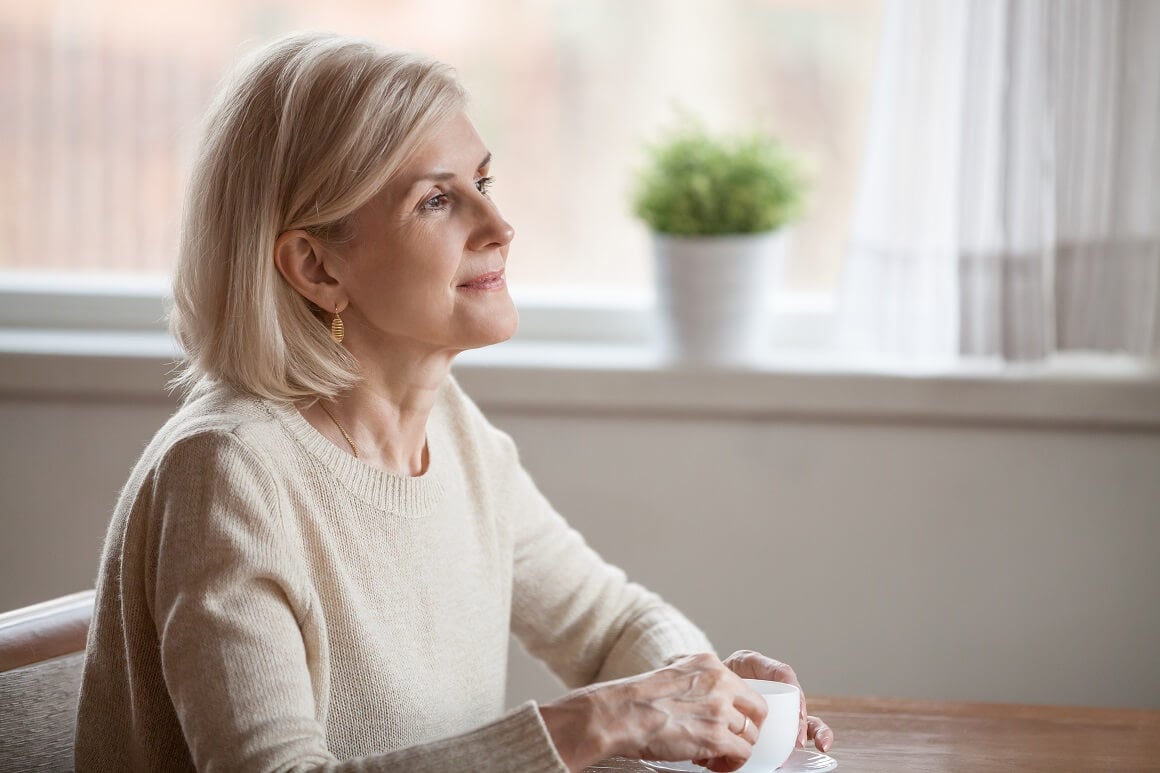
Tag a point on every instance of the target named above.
point(317, 561)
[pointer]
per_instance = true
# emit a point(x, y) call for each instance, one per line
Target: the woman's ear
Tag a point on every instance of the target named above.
point(298, 256)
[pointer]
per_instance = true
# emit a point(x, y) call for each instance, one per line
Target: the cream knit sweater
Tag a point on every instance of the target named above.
point(267, 602)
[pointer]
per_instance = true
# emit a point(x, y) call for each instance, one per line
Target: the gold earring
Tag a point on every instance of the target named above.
point(337, 329)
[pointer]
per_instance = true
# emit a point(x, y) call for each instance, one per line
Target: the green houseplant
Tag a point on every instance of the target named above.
point(717, 207)
point(697, 184)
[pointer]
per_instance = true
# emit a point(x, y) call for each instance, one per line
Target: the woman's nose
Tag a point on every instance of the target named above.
point(492, 229)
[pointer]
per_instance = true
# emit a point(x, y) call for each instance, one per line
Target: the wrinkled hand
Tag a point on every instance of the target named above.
point(696, 708)
point(692, 708)
point(754, 665)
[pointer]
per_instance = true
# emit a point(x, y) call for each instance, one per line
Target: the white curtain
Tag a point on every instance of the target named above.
point(1009, 204)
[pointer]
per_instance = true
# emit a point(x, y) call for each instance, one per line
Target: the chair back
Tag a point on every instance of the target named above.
point(42, 652)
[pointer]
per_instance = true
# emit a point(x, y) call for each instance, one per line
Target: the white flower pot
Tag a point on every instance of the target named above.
point(711, 293)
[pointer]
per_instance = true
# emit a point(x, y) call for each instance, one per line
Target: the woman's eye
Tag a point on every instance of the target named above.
point(438, 201)
point(441, 201)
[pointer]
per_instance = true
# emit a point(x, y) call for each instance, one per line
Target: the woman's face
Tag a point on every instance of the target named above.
point(424, 272)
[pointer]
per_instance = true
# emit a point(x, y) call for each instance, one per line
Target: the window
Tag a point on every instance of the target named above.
point(105, 100)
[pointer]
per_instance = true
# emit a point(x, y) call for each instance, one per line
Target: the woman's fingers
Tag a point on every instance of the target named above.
point(731, 751)
point(820, 733)
point(737, 712)
point(754, 665)
point(692, 708)
point(751, 710)
point(751, 704)
point(745, 728)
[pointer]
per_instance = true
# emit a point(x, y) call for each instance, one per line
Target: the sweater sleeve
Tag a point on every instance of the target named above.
point(228, 602)
point(577, 613)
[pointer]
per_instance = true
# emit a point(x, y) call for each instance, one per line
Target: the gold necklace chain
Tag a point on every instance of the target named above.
point(341, 428)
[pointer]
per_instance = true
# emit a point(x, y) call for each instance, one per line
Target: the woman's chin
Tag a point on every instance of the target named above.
point(495, 329)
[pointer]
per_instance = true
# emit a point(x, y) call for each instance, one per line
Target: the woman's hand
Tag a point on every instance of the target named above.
point(754, 665)
point(694, 708)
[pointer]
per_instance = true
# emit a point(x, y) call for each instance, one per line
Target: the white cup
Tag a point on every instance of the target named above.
point(779, 731)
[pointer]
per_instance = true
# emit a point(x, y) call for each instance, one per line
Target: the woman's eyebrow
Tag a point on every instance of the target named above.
point(437, 176)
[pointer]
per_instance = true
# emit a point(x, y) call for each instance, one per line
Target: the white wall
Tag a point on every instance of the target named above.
point(907, 553)
point(923, 561)
point(62, 463)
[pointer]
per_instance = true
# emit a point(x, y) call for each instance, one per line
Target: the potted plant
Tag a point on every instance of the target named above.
point(716, 206)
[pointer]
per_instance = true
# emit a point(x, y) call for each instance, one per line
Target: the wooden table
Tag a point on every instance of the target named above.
point(890, 736)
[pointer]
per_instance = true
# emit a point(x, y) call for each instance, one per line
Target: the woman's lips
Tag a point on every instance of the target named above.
point(492, 280)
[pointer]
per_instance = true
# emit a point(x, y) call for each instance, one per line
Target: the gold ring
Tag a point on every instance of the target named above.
point(744, 727)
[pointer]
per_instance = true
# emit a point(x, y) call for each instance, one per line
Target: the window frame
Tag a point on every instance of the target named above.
point(99, 303)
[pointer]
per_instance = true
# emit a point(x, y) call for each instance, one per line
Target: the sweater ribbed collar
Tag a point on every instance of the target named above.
point(402, 495)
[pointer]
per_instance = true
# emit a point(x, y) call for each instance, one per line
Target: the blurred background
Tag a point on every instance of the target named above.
point(104, 101)
point(944, 479)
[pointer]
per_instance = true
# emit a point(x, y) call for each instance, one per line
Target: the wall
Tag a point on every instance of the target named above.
point(923, 561)
point(953, 553)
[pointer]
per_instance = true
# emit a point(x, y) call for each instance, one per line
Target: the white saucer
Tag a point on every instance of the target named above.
point(801, 761)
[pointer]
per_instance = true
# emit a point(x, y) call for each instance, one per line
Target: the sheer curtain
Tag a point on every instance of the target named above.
point(1009, 206)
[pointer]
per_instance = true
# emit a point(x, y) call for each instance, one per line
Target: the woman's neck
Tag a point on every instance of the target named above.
point(383, 420)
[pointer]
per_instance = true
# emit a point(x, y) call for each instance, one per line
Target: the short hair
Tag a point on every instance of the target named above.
point(303, 133)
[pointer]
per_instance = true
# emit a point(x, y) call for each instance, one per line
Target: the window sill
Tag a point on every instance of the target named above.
point(621, 379)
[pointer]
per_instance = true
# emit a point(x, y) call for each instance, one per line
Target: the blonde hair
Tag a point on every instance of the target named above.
point(303, 133)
